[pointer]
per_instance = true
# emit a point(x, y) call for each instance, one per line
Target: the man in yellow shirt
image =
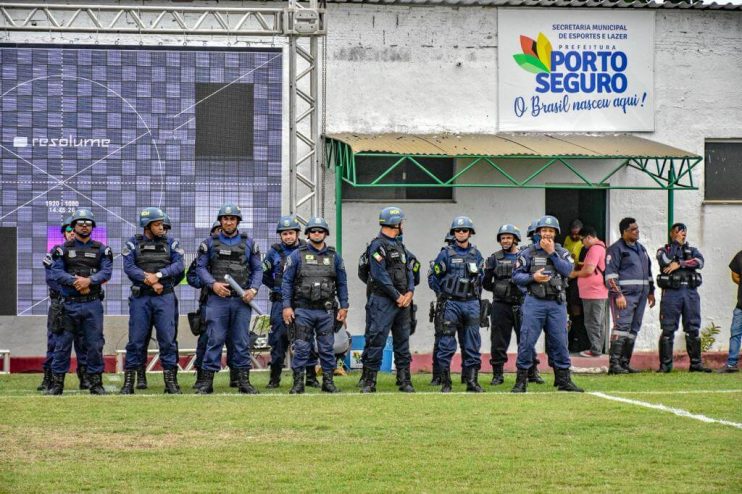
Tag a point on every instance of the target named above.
point(578, 335)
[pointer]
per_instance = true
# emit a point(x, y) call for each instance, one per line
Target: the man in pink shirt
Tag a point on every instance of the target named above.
point(592, 290)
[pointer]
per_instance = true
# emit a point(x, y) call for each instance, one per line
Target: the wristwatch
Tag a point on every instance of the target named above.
point(158, 275)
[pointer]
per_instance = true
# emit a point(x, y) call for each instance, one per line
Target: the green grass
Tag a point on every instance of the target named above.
point(389, 442)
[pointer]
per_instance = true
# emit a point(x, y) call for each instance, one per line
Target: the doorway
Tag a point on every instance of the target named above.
point(589, 206)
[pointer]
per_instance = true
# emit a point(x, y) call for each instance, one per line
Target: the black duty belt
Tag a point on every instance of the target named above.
point(460, 299)
point(82, 299)
point(275, 297)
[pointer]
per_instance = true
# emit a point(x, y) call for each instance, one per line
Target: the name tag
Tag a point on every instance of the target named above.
point(91, 254)
point(223, 252)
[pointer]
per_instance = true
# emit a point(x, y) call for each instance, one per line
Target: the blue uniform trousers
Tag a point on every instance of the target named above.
point(552, 317)
point(203, 339)
point(87, 320)
point(311, 325)
point(464, 317)
point(176, 317)
point(383, 316)
point(628, 321)
point(227, 319)
point(144, 312)
point(681, 302)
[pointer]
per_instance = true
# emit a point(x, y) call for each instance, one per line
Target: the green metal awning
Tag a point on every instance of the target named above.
point(669, 168)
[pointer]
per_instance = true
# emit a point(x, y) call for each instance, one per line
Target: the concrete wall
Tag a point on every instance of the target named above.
point(429, 69)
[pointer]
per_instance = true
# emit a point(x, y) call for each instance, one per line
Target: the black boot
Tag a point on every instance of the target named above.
point(46, 382)
point(57, 385)
point(693, 345)
point(564, 381)
point(472, 380)
point(369, 386)
point(405, 380)
point(446, 384)
point(298, 387)
point(142, 377)
point(628, 351)
point(665, 345)
point(96, 384)
point(521, 381)
point(464, 372)
point(243, 382)
point(364, 376)
point(275, 380)
point(128, 387)
point(206, 386)
point(498, 377)
point(82, 377)
point(171, 381)
point(234, 378)
point(436, 379)
point(199, 378)
point(614, 356)
point(328, 383)
point(312, 380)
point(534, 376)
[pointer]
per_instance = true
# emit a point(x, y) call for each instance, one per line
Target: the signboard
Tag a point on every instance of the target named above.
point(567, 70)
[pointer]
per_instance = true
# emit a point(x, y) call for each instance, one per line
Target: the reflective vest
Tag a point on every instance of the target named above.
point(315, 278)
point(229, 259)
point(461, 279)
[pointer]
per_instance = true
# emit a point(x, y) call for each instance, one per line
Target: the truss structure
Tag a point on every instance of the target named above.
point(301, 22)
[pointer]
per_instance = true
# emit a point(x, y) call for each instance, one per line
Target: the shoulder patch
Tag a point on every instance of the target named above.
point(255, 248)
point(267, 265)
point(107, 252)
point(377, 257)
point(203, 247)
point(47, 261)
point(58, 252)
point(125, 250)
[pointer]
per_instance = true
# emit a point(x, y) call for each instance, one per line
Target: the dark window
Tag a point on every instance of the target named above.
point(224, 120)
point(723, 171)
point(369, 168)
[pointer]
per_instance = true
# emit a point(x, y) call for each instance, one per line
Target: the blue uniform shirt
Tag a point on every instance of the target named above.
point(65, 279)
point(442, 265)
point(674, 251)
point(272, 264)
point(252, 253)
point(289, 275)
point(136, 274)
point(628, 268)
point(522, 272)
point(48, 261)
point(378, 270)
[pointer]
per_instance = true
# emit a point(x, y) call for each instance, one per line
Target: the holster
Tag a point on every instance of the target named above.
point(440, 310)
point(485, 309)
point(196, 322)
point(56, 315)
point(413, 318)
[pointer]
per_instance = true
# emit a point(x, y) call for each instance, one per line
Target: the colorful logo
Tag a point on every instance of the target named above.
point(536, 56)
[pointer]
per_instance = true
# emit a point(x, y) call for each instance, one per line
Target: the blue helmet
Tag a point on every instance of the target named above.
point(511, 229)
point(462, 222)
point(548, 221)
point(166, 222)
point(391, 216)
point(150, 215)
point(215, 225)
point(82, 214)
point(229, 209)
point(286, 223)
point(67, 222)
point(317, 222)
point(531, 229)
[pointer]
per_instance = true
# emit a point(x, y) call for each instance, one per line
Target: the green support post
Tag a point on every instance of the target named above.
point(670, 199)
point(339, 207)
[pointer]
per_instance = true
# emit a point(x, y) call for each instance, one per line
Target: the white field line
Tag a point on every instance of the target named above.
point(676, 411)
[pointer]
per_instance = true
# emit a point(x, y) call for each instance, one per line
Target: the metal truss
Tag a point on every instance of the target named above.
point(302, 22)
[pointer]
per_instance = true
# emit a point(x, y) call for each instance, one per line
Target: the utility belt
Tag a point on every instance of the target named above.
point(85, 298)
point(559, 297)
point(321, 305)
point(55, 295)
point(275, 297)
point(459, 299)
point(674, 281)
point(140, 291)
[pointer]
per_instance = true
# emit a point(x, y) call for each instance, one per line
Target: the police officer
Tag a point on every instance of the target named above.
point(449, 239)
point(312, 280)
point(288, 229)
point(80, 267)
point(533, 374)
point(391, 287)
point(227, 315)
point(507, 299)
point(628, 276)
point(457, 279)
point(679, 280)
point(153, 262)
point(543, 269)
point(54, 318)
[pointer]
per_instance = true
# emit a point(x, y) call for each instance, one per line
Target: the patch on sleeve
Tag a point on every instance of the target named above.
point(255, 249)
point(108, 253)
point(203, 247)
point(267, 265)
point(58, 252)
point(607, 258)
point(377, 257)
point(48, 261)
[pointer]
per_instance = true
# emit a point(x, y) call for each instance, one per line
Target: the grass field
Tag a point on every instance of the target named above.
point(389, 442)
